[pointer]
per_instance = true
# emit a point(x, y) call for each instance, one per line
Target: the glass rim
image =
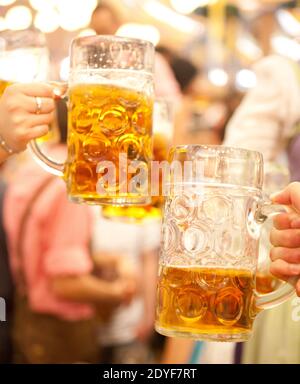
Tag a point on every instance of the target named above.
point(112, 38)
point(218, 148)
point(22, 39)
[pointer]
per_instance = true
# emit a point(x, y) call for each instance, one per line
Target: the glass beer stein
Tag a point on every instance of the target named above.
point(110, 103)
point(23, 57)
point(213, 216)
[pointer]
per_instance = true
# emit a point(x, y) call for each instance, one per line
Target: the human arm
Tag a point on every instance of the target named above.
point(91, 289)
point(67, 261)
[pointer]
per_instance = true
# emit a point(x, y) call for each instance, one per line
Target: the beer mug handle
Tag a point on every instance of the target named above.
point(45, 162)
point(285, 290)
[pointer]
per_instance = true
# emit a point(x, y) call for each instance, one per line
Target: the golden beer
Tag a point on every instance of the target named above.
point(131, 214)
point(266, 283)
point(204, 301)
point(3, 85)
point(161, 145)
point(105, 121)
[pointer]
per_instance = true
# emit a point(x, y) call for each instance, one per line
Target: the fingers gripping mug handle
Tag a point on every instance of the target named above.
point(45, 162)
point(286, 290)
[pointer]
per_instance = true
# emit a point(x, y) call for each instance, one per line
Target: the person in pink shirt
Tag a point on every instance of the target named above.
point(53, 269)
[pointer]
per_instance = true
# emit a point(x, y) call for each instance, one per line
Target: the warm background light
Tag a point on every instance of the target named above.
point(166, 15)
point(141, 31)
point(188, 6)
point(218, 77)
point(75, 14)
point(18, 18)
point(6, 2)
point(245, 79)
point(70, 15)
point(2, 24)
point(288, 22)
point(47, 21)
point(285, 46)
point(247, 46)
point(41, 5)
point(87, 32)
point(224, 48)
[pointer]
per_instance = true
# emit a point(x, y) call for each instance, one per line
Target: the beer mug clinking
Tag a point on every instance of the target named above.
point(213, 215)
point(110, 103)
point(163, 126)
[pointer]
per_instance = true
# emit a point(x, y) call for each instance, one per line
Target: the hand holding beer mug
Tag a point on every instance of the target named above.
point(110, 122)
point(213, 217)
point(276, 178)
point(23, 59)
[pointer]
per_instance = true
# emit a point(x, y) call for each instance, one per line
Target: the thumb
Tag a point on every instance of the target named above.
point(289, 196)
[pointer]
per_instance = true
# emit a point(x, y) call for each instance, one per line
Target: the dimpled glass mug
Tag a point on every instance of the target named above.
point(110, 106)
point(213, 215)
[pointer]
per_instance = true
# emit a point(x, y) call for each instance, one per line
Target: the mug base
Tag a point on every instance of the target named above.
point(114, 201)
point(222, 337)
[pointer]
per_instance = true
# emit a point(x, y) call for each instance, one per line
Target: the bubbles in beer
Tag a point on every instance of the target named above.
point(130, 145)
point(102, 124)
point(191, 305)
point(162, 303)
point(113, 120)
point(229, 305)
point(81, 120)
point(138, 121)
point(95, 147)
point(83, 175)
point(205, 300)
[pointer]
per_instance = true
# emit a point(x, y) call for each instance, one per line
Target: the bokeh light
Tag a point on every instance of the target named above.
point(245, 79)
point(47, 22)
point(188, 6)
point(2, 24)
point(42, 5)
point(218, 77)
point(6, 2)
point(81, 13)
point(18, 18)
point(87, 32)
point(167, 16)
point(141, 31)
